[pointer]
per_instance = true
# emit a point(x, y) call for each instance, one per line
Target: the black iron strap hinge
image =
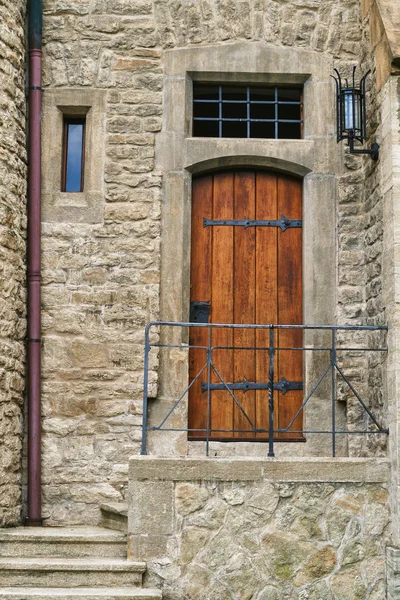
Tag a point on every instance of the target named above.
point(282, 386)
point(284, 223)
point(199, 311)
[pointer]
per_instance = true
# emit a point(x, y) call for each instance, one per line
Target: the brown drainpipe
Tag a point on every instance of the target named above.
point(33, 269)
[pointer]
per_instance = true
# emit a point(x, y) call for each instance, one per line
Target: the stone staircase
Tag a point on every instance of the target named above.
point(72, 563)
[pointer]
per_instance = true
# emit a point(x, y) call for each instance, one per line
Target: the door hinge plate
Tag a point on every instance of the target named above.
point(282, 386)
point(284, 223)
point(199, 311)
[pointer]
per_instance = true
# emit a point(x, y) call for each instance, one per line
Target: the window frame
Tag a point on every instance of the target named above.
point(67, 121)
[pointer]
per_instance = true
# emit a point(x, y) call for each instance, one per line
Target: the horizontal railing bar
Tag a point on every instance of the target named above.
point(180, 346)
point(155, 428)
point(306, 348)
point(382, 431)
point(268, 326)
point(302, 431)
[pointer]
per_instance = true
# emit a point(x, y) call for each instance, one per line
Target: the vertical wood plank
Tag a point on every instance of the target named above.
point(222, 302)
point(200, 289)
point(290, 305)
point(244, 298)
point(266, 300)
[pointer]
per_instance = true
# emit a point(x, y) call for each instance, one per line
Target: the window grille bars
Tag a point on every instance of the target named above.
point(249, 102)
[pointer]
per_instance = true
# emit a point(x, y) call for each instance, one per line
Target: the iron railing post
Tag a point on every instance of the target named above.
point(271, 353)
point(333, 365)
point(209, 363)
point(145, 386)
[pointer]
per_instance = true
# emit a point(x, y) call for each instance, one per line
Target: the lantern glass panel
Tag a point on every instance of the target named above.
point(351, 113)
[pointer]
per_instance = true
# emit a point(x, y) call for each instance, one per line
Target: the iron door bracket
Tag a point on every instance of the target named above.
point(284, 223)
point(199, 311)
point(282, 386)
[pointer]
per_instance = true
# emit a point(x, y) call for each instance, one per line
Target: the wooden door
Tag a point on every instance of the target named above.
point(248, 275)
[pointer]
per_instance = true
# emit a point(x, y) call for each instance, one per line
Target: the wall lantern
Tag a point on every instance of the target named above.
point(351, 122)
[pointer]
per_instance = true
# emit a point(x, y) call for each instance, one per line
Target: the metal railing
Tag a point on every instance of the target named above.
point(336, 346)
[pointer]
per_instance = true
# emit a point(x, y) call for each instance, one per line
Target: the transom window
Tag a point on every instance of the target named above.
point(242, 111)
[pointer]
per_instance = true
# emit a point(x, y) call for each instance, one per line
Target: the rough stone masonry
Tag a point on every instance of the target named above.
point(12, 254)
point(243, 528)
point(275, 541)
point(101, 279)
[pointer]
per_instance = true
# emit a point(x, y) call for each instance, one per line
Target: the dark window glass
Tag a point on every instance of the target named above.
point(262, 111)
point(234, 93)
point(205, 92)
point(206, 109)
point(73, 159)
point(234, 111)
point(206, 129)
point(234, 129)
point(263, 130)
point(289, 95)
point(289, 112)
point(258, 94)
point(247, 111)
point(289, 131)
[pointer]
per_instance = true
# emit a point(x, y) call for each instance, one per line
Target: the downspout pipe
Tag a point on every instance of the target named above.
point(33, 258)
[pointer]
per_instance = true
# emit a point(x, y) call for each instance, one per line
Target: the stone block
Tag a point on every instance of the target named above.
point(147, 546)
point(383, 62)
point(393, 574)
point(125, 212)
point(143, 468)
point(89, 355)
point(133, 64)
point(151, 508)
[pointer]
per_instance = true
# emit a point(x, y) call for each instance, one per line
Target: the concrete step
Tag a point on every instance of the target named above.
point(71, 542)
point(70, 572)
point(114, 515)
point(79, 594)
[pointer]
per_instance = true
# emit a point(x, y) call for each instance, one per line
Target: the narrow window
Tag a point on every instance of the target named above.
point(73, 155)
point(244, 111)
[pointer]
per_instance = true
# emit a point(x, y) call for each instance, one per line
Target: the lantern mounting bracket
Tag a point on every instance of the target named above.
point(373, 151)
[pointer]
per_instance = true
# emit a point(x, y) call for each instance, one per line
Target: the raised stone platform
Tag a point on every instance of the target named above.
point(253, 527)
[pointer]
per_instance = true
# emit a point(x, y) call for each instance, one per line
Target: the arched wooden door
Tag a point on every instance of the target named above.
point(248, 275)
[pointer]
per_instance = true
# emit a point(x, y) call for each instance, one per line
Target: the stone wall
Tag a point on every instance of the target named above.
point(360, 237)
point(253, 530)
point(12, 254)
point(374, 302)
point(101, 275)
point(367, 222)
point(390, 172)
